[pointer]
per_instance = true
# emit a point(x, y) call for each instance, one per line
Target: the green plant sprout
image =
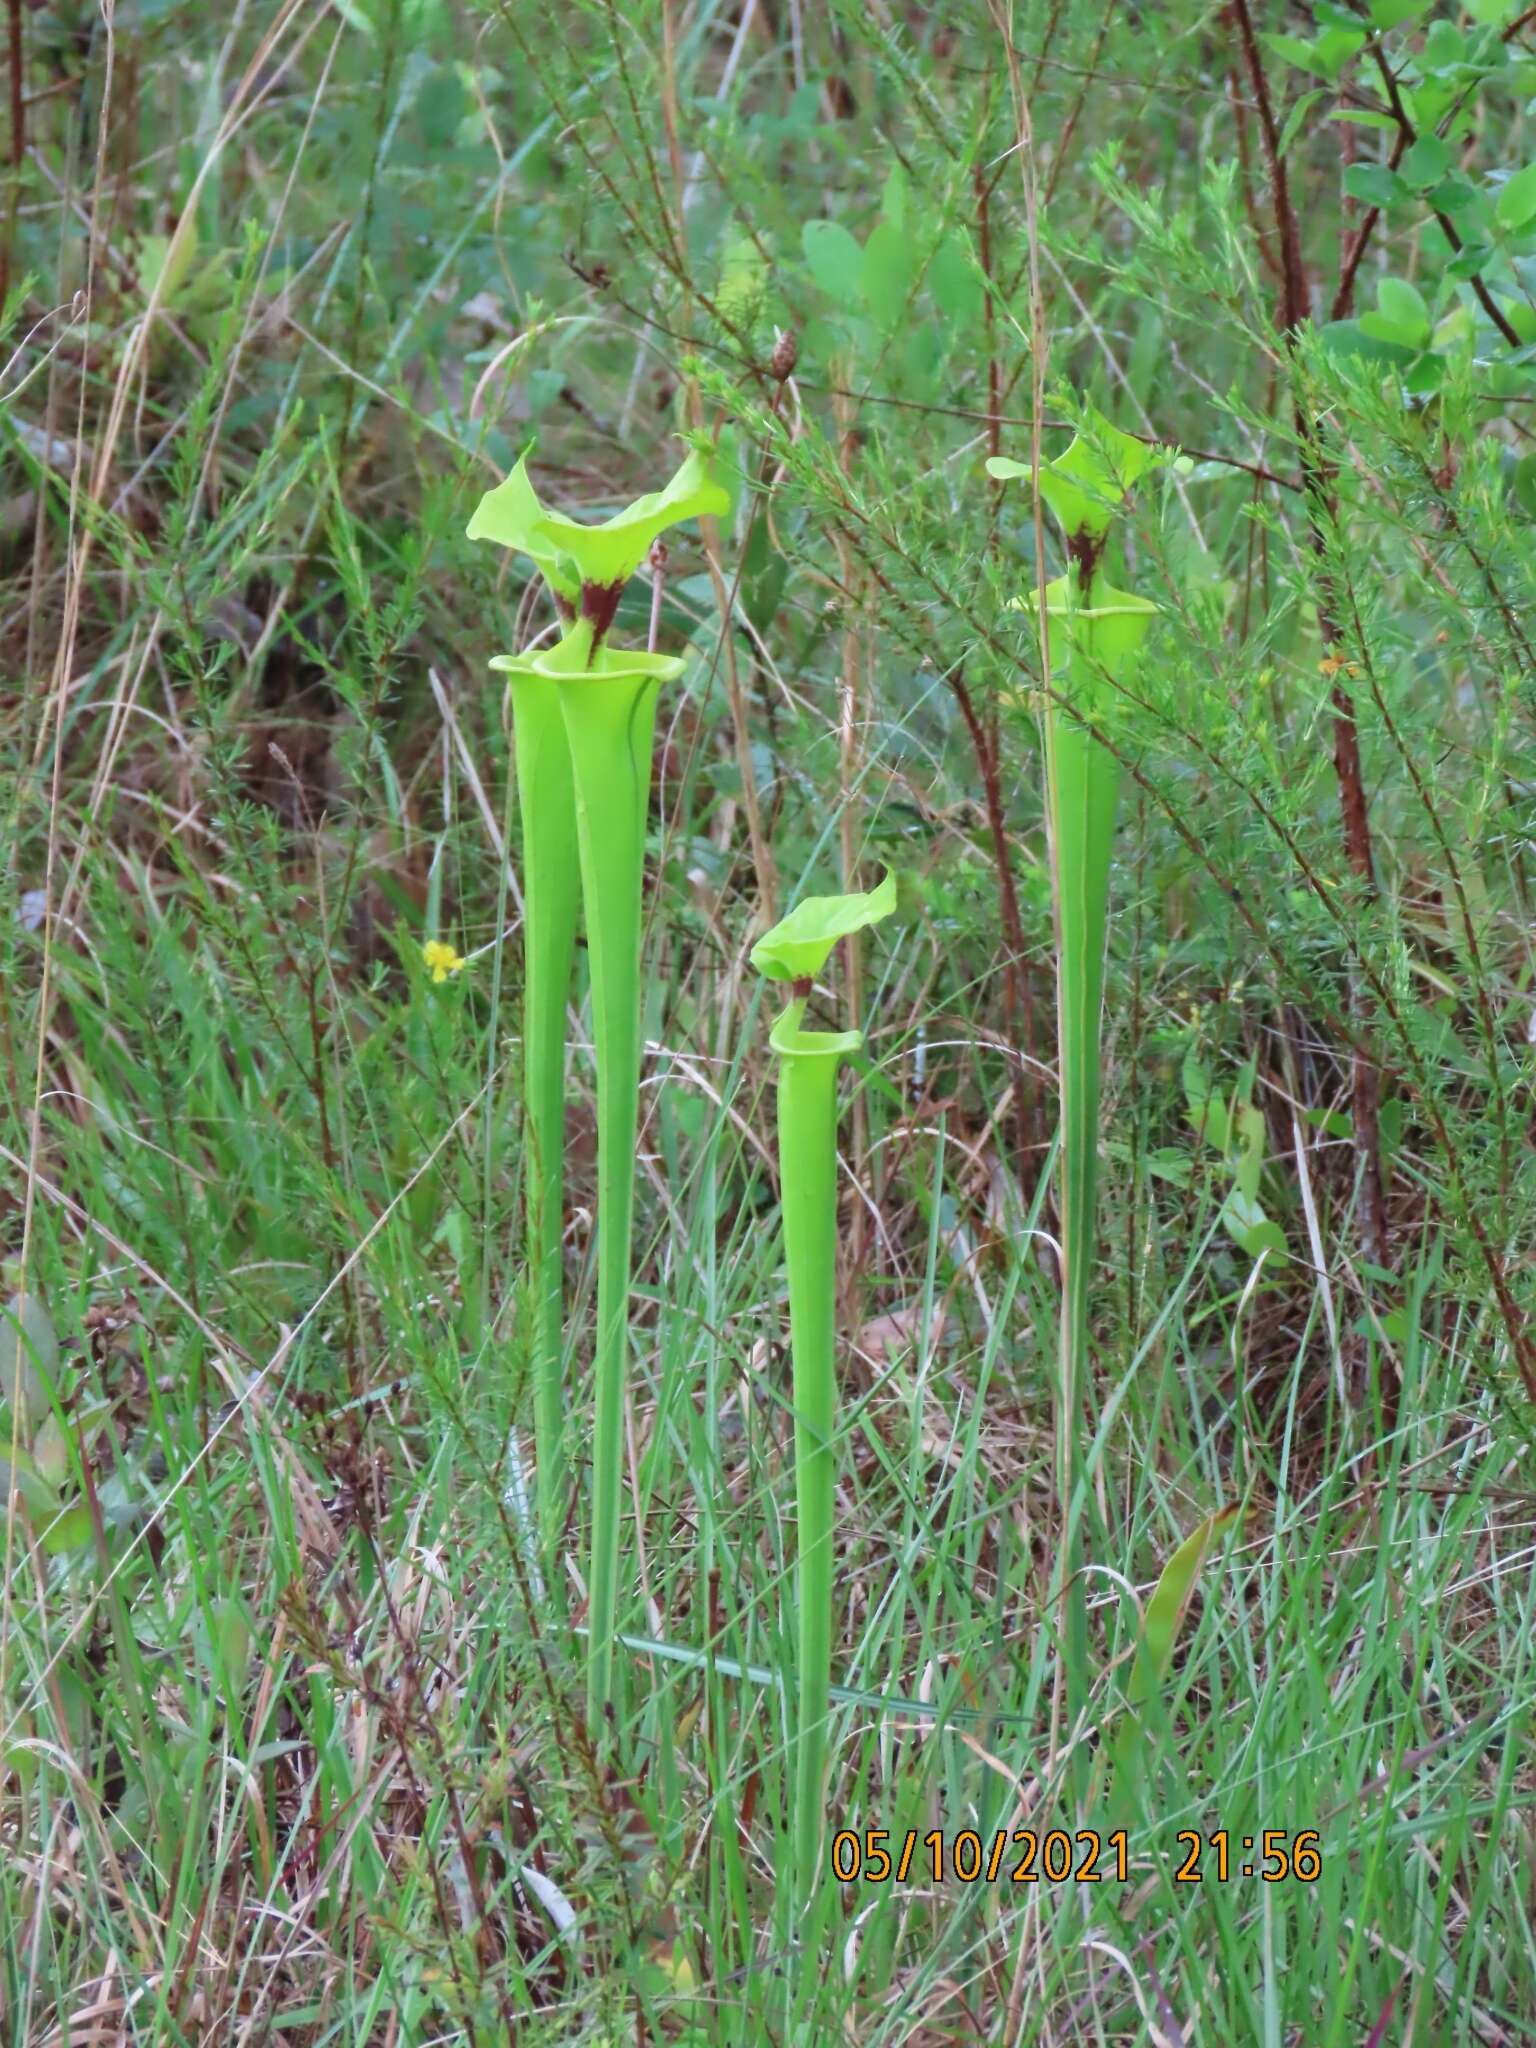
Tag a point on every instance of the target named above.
point(795, 951)
point(1094, 635)
point(583, 718)
point(1121, 1763)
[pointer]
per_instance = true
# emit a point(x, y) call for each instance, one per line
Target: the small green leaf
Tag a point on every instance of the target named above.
point(1427, 162)
point(1325, 57)
point(954, 280)
point(1445, 47)
point(885, 278)
point(1404, 316)
point(833, 258)
point(29, 1355)
point(1297, 115)
point(893, 201)
point(1251, 1230)
point(1375, 184)
point(798, 945)
point(1469, 261)
point(1393, 13)
point(69, 1529)
point(1454, 195)
point(1165, 1611)
point(440, 106)
point(1522, 318)
point(1516, 202)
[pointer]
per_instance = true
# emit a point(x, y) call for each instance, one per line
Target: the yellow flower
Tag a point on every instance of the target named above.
point(441, 958)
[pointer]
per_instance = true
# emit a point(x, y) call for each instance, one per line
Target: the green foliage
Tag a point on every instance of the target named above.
point(295, 1735)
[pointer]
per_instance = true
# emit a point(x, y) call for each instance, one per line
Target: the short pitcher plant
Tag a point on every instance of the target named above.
point(583, 714)
point(795, 951)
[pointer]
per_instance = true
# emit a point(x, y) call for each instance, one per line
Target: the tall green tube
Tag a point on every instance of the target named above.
point(807, 1115)
point(551, 902)
point(609, 722)
point(1093, 635)
point(584, 715)
point(595, 713)
point(1096, 633)
point(795, 951)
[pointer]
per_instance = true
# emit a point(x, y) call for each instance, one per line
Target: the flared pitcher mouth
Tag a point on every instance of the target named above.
point(789, 1041)
point(614, 665)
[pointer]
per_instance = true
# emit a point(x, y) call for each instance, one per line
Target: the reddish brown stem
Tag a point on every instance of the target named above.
point(1018, 998)
point(1295, 311)
point(18, 146)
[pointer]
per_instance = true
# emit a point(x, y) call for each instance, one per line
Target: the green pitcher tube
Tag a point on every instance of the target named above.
point(610, 720)
point(1095, 635)
point(807, 1122)
point(584, 714)
point(551, 902)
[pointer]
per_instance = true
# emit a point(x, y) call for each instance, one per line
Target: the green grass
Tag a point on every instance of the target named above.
point(295, 1733)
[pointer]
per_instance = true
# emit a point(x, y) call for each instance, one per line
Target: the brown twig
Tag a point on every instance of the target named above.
point(18, 146)
point(1295, 312)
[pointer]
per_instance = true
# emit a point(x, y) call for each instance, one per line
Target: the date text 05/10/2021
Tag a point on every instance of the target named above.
point(1055, 1856)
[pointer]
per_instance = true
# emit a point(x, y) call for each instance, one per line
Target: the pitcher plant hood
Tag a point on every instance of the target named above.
point(586, 567)
point(797, 947)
